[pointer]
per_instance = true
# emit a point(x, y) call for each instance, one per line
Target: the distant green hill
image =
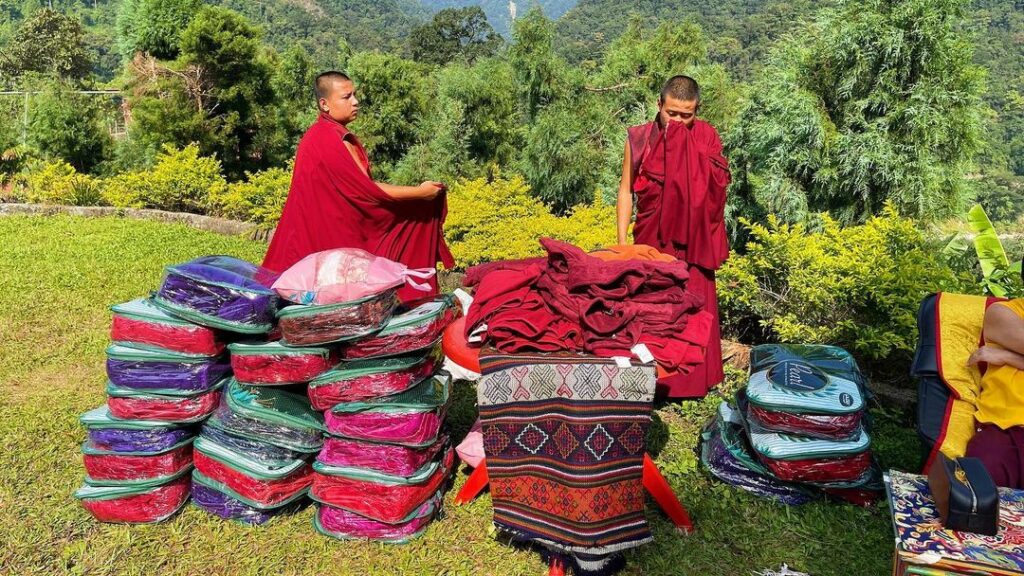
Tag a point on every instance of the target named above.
point(499, 12)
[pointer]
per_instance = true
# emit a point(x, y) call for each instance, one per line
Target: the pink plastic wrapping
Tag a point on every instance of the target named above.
point(343, 275)
point(341, 523)
point(122, 467)
point(381, 502)
point(837, 427)
point(268, 493)
point(412, 428)
point(169, 408)
point(152, 505)
point(387, 458)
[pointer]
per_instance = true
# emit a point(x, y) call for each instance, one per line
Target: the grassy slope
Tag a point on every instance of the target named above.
point(57, 277)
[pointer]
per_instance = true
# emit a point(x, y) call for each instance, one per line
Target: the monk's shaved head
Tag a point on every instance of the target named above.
point(681, 88)
point(325, 82)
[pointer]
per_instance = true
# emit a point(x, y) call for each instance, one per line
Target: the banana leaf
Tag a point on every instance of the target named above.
point(991, 254)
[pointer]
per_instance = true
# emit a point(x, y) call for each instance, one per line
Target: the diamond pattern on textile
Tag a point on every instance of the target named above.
point(588, 381)
point(542, 381)
point(495, 441)
point(565, 441)
point(634, 382)
point(532, 439)
point(633, 439)
point(498, 387)
point(599, 442)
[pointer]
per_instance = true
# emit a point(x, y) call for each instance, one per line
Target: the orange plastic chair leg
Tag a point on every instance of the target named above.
point(474, 485)
point(656, 484)
point(556, 568)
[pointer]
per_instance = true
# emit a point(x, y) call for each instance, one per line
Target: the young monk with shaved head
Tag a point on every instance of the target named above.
point(334, 202)
point(675, 170)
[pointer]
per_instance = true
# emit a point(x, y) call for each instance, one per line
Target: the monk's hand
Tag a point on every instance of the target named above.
point(430, 190)
point(988, 355)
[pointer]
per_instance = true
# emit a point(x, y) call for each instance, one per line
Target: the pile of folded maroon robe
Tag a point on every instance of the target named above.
point(575, 301)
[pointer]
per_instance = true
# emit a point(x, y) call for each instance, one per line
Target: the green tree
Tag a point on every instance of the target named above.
point(153, 26)
point(540, 72)
point(66, 125)
point(876, 101)
point(49, 43)
point(454, 33)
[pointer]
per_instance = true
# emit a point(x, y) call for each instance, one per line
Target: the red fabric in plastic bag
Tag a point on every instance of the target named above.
point(267, 493)
point(380, 502)
point(838, 427)
point(165, 408)
point(386, 458)
point(187, 339)
point(327, 396)
point(280, 368)
point(821, 469)
point(124, 467)
point(152, 506)
point(403, 341)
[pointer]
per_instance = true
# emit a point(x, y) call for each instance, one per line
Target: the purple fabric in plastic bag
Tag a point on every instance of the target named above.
point(228, 508)
point(191, 377)
point(123, 440)
point(223, 287)
point(724, 466)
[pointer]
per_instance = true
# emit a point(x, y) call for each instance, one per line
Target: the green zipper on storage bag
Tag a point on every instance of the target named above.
point(251, 467)
point(427, 396)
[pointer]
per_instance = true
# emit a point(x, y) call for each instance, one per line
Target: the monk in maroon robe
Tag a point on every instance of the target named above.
point(334, 202)
point(675, 169)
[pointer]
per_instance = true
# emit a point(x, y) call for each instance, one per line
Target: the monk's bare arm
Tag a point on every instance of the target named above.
point(1005, 328)
point(624, 206)
point(996, 357)
point(425, 191)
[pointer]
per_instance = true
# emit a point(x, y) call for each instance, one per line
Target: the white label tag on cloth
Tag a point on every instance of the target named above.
point(643, 353)
point(464, 299)
point(478, 334)
point(622, 362)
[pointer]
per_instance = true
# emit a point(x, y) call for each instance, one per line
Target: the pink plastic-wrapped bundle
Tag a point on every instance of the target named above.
point(133, 404)
point(413, 417)
point(135, 504)
point(345, 275)
point(105, 468)
point(422, 325)
point(142, 323)
point(387, 458)
point(377, 496)
point(345, 525)
point(272, 363)
point(371, 378)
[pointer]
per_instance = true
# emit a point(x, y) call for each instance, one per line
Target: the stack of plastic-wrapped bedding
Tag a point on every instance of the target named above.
point(166, 371)
point(798, 429)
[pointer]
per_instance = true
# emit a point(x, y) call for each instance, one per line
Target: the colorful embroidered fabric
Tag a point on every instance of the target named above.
point(921, 538)
point(564, 438)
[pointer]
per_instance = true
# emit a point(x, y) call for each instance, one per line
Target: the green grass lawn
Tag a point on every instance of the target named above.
point(58, 275)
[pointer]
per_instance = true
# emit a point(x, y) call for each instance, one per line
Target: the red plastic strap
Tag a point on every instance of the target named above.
point(474, 485)
point(659, 488)
point(556, 568)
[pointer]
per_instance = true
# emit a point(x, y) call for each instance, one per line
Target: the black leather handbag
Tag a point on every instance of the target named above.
point(965, 495)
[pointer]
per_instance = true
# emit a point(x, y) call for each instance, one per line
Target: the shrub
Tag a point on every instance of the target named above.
point(259, 199)
point(180, 181)
point(58, 182)
point(857, 287)
point(500, 220)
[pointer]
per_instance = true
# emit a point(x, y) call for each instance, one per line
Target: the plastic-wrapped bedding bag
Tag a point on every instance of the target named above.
point(344, 275)
point(387, 458)
point(345, 525)
point(372, 377)
point(726, 454)
point(217, 499)
point(830, 359)
point(220, 292)
point(266, 485)
point(109, 468)
point(271, 363)
point(413, 417)
point(253, 449)
point(270, 415)
point(161, 370)
point(135, 405)
point(312, 325)
point(141, 323)
point(419, 327)
point(117, 435)
point(797, 397)
point(135, 504)
point(378, 496)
